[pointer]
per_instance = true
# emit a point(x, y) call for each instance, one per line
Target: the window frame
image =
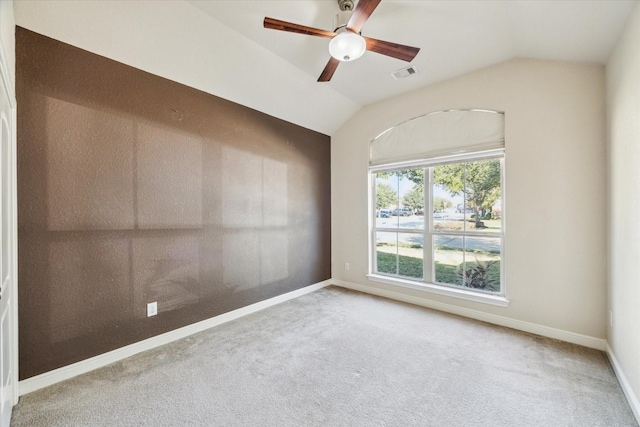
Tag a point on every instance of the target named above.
point(428, 283)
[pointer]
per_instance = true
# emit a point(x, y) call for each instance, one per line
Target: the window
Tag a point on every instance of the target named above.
point(440, 223)
point(437, 194)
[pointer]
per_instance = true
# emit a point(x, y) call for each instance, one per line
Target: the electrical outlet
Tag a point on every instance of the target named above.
point(346, 266)
point(152, 309)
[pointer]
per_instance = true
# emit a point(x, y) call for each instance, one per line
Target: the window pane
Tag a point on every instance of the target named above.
point(400, 199)
point(410, 255)
point(411, 190)
point(387, 185)
point(448, 258)
point(448, 197)
point(482, 191)
point(482, 263)
point(387, 253)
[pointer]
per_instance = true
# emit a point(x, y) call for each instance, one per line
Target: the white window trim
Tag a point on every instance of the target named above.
point(476, 296)
point(437, 161)
point(422, 285)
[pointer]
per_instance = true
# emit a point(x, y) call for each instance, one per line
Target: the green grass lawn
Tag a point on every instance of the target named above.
point(445, 273)
point(492, 224)
point(408, 266)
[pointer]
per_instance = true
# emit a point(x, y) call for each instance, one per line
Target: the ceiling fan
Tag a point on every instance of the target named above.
point(346, 42)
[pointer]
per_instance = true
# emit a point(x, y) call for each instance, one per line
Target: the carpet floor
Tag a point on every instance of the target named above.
point(341, 358)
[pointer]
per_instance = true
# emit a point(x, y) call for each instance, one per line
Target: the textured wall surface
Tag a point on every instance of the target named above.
point(134, 189)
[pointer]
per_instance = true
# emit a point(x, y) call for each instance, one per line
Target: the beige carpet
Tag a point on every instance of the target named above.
point(340, 358)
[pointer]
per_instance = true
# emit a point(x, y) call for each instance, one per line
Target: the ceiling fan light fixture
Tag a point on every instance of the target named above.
point(347, 46)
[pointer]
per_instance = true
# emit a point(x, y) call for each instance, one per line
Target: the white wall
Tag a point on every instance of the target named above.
point(623, 113)
point(8, 36)
point(555, 187)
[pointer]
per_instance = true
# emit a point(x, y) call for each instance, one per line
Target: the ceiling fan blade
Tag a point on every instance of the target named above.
point(361, 13)
point(395, 50)
point(276, 24)
point(328, 71)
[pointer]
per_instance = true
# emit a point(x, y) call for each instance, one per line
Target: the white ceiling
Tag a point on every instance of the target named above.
point(455, 37)
point(221, 47)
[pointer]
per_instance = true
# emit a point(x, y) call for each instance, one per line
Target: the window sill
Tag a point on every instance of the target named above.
point(498, 300)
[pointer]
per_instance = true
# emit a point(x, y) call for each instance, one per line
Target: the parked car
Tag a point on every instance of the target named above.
point(401, 212)
point(384, 213)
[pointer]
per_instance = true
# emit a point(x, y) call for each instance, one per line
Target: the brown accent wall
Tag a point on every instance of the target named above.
point(133, 188)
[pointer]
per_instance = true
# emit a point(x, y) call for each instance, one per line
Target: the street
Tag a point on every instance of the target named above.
point(416, 241)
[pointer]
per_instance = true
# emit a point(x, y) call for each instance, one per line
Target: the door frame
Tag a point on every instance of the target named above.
point(8, 87)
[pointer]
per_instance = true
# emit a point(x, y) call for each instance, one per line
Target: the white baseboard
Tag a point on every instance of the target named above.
point(624, 383)
point(52, 377)
point(520, 325)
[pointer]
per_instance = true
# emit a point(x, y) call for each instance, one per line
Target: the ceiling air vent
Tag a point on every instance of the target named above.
point(405, 72)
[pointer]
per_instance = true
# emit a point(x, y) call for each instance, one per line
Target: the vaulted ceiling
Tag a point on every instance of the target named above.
point(221, 46)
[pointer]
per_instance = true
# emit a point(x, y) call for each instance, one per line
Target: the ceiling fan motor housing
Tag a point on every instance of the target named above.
point(345, 4)
point(341, 20)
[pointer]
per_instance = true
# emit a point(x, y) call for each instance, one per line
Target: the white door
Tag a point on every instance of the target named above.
point(8, 351)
